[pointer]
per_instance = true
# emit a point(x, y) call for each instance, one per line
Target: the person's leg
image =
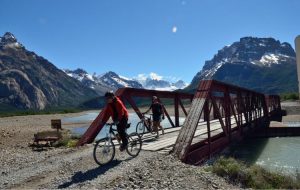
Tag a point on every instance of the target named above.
point(162, 129)
point(121, 127)
point(155, 127)
point(155, 122)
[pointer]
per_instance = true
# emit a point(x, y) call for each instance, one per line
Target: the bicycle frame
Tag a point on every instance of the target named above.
point(111, 133)
point(148, 122)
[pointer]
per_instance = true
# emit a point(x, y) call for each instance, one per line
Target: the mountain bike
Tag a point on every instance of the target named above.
point(104, 149)
point(145, 123)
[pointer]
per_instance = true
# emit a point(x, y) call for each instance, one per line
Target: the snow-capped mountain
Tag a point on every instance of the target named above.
point(179, 84)
point(117, 81)
point(8, 40)
point(104, 82)
point(113, 81)
point(262, 64)
point(155, 82)
point(29, 81)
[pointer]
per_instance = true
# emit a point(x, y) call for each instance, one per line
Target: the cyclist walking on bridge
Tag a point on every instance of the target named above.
point(117, 110)
point(158, 114)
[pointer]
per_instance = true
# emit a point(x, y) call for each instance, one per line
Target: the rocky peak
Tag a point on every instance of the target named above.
point(251, 50)
point(9, 40)
point(247, 59)
point(30, 81)
point(180, 84)
point(155, 83)
point(111, 74)
point(80, 72)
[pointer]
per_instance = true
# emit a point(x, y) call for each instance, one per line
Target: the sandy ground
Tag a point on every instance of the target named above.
point(23, 168)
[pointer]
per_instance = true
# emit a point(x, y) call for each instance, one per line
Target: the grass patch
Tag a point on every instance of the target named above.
point(67, 140)
point(253, 176)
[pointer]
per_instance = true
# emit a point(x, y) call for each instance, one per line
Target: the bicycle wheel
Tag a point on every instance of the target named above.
point(140, 128)
point(104, 151)
point(134, 144)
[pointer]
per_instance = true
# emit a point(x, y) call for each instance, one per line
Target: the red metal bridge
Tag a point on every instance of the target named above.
point(127, 95)
point(218, 114)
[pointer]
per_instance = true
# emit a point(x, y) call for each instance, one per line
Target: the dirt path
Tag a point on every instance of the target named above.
point(76, 169)
point(23, 168)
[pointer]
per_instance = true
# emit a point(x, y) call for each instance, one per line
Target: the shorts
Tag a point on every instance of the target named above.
point(157, 118)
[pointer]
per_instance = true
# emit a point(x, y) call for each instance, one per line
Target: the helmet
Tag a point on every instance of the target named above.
point(109, 94)
point(154, 97)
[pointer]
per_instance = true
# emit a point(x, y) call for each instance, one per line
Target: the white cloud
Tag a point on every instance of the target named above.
point(174, 29)
point(143, 77)
point(155, 76)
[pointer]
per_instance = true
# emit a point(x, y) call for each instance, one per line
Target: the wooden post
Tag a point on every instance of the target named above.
point(176, 110)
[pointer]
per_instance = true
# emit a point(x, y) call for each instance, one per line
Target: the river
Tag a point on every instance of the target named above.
point(133, 119)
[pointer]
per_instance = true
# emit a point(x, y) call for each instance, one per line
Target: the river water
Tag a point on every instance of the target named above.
point(280, 154)
point(133, 119)
point(276, 154)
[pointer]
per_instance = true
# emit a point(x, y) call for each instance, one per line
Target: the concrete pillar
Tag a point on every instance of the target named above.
point(297, 46)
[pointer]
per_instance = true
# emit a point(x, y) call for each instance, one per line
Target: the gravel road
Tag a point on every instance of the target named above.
point(74, 168)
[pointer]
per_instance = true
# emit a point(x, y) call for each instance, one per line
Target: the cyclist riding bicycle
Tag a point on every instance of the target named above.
point(158, 114)
point(117, 110)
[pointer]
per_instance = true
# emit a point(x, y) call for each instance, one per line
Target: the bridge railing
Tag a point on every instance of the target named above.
point(177, 99)
point(232, 108)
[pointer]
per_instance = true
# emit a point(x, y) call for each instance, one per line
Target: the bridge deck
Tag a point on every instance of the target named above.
point(165, 142)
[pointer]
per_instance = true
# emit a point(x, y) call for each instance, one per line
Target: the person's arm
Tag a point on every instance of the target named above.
point(148, 109)
point(162, 111)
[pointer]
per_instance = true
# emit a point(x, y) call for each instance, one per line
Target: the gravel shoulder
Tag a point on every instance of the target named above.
point(23, 168)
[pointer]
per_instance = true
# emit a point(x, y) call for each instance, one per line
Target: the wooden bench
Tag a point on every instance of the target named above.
point(49, 137)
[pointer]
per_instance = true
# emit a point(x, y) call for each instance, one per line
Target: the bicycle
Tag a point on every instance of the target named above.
point(104, 149)
point(145, 123)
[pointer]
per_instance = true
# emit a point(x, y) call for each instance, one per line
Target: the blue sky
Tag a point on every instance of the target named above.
point(172, 38)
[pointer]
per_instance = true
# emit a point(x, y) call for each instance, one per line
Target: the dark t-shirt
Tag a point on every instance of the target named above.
point(156, 109)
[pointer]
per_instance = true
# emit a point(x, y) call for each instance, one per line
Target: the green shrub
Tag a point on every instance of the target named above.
point(72, 143)
point(252, 176)
point(289, 96)
point(67, 140)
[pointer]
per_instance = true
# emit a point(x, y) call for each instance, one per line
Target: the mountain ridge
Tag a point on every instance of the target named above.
point(112, 81)
point(261, 64)
point(29, 81)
